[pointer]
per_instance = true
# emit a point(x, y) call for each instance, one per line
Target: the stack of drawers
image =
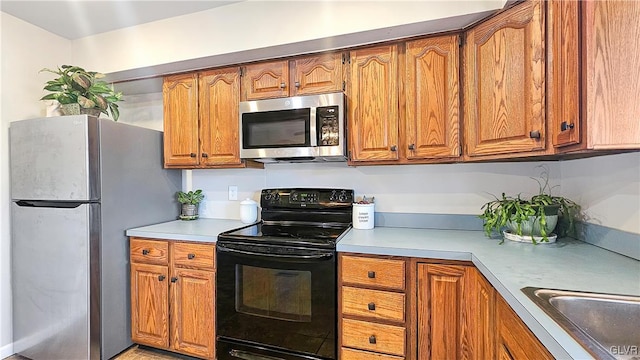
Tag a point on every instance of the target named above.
point(372, 300)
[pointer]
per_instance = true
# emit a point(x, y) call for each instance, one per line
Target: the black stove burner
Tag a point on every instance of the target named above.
point(280, 234)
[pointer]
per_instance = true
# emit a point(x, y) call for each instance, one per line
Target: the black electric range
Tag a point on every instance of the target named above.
point(276, 279)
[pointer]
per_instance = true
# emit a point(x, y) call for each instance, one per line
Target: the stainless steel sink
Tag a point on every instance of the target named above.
point(608, 326)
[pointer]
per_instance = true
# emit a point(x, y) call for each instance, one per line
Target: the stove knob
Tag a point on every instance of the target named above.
point(333, 196)
point(267, 196)
point(276, 197)
point(294, 196)
point(342, 197)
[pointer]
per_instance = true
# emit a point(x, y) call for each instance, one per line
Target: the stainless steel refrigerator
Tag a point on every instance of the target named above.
point(77, 183)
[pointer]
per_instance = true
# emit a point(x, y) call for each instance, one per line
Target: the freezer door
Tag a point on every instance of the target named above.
point(52, 278)
point(55, 158)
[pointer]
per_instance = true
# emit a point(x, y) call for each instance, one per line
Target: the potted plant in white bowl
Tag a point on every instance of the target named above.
point(531, 219)
point(81, 92)
point(190, 201)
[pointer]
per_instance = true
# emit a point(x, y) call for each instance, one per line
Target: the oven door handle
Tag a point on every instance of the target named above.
point(245, 355)
point(315, 256)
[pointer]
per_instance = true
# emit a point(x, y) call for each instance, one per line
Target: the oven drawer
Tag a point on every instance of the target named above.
point(193, 255)
point(149, 251)
point(374, 272)
point(381, 338)
point(374, 304)
point(351, 354)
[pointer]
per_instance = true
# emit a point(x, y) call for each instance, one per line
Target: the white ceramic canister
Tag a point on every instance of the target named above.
point(248, 211)
point(363, 216)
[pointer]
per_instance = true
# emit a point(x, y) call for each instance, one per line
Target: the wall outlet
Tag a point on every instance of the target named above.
point(233, 193)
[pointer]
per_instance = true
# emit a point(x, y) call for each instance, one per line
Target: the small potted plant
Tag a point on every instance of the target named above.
point(190, 201)
point(533, 219)
point(81, 92)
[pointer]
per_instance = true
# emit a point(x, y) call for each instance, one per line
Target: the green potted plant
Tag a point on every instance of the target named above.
point(531, 219)
point(190, 201)
point(81, 92)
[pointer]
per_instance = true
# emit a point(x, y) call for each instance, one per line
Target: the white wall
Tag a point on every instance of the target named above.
point(257, 25)
point(608, 187)
point(25, 50)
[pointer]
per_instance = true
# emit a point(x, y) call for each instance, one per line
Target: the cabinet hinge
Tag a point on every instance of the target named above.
point(344, 58)
point(241, 71)
point(344, 85)
point(459, 150)
point(461, 40)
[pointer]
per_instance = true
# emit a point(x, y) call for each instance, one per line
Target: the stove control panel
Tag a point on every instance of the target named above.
point(298, 198)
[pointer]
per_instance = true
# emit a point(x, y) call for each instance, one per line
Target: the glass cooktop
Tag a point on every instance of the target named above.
point(288, 234)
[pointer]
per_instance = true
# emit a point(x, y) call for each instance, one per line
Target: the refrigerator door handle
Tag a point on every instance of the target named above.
point(50, 204)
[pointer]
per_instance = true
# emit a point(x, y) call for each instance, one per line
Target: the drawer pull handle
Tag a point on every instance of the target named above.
point(191, 256)
point(174, 279)
point(145, 252)
point(371, 274)
point(161, 277)
point(372, 339)
point(371, 306)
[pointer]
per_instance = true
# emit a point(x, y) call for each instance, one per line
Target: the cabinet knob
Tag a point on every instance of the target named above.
point(394, 148)
point(412, 146)
point(297, 84)
point(174, 279)
point(205, 155)
point(145, 252)
point(193, 155)
point(564, 126)
point(283, 85)
point(372, 339)
point(191, 256)
point(371, 306)
point(371, 274)
point(161, 277)
point(534, 134)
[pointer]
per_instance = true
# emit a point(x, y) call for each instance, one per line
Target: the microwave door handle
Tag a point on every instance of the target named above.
point(314, 131)
point(321, 256)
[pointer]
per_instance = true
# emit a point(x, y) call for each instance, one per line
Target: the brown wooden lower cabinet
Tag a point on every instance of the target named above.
point(173, 296)
point(441, 310)
point(514, 340)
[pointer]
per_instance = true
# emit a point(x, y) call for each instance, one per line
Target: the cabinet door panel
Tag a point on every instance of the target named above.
point(612, 75)
point(192, 314)
point(150, 305)
point(564, 96)
point(265, 80)
point(317, 74)
point(441, 312)
point(219, 94)
point(505, 83)
point(432, 98)
point(373, 104)
point(180, 103)
point(514, 339)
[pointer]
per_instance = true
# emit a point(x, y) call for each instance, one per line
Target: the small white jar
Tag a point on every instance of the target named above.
point(248, 211)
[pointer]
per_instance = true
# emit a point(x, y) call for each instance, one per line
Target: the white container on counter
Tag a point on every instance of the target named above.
point(248, 211)
point(363, 216)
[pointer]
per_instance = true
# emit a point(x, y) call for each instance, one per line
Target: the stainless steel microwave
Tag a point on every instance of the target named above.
point(294, 129)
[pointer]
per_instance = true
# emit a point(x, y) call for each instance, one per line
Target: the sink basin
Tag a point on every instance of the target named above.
point(608, 326)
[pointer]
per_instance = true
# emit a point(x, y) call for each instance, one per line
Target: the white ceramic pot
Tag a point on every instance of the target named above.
point(248, 211)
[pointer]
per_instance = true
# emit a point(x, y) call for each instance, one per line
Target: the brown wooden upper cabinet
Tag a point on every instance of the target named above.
point(302, 76)
point(595, 75)
point(180, 106)
point(201, 119)
point(505, 84)
point(372, 92)
point(432, 101)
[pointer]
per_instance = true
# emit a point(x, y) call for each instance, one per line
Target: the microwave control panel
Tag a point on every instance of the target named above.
point(327, 123)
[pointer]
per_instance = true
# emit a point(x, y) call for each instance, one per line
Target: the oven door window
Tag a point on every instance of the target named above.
point(276, 129)
point(273, 293)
